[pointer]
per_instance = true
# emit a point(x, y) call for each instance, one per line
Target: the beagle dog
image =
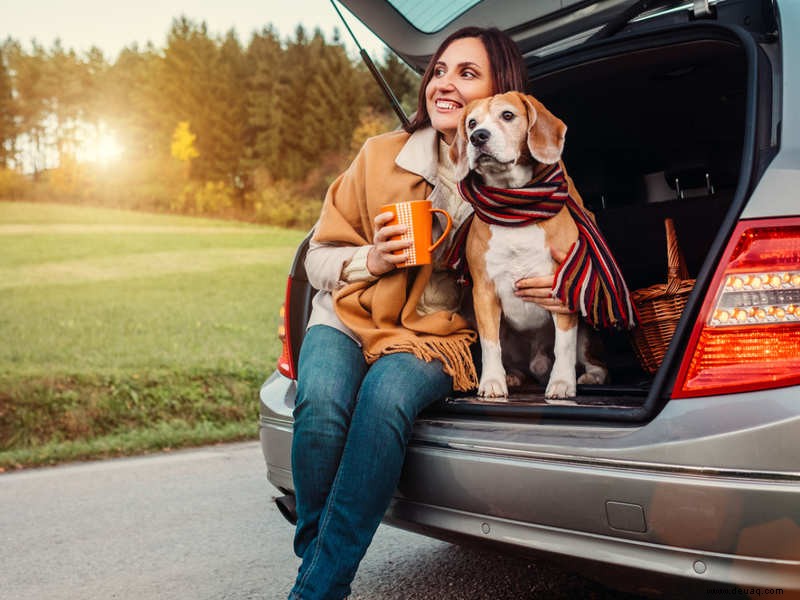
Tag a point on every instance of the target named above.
point(506, 144)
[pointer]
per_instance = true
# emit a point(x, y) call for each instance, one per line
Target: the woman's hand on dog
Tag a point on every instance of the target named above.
point(380, 258)
point(540, 289)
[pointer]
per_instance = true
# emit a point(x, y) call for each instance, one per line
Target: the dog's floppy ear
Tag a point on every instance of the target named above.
point(545, 132)
point(458, 150)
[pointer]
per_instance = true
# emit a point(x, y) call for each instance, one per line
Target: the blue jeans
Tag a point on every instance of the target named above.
point(352, 422)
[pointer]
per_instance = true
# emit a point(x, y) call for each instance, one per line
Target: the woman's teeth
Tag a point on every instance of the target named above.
point(447, 105)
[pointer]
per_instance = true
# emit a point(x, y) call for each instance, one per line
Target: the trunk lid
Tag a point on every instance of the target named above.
point(413, 29)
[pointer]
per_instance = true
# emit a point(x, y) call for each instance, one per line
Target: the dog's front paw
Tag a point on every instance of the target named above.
point(559, 388)
point(492, 387)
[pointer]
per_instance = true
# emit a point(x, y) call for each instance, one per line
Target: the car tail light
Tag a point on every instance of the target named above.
point(747, 336)
point(286, 364)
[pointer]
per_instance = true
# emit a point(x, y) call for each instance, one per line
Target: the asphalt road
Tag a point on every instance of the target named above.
point(200, 524)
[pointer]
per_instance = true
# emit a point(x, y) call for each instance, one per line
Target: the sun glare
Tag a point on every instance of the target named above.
point(104, 149)
point(98, 145)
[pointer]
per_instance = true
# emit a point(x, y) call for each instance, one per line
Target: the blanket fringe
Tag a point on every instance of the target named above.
point(453, 351)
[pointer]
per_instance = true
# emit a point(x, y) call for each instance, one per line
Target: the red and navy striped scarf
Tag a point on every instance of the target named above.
point(589, 280)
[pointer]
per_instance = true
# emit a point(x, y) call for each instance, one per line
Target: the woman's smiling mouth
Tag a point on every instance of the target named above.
point(442, 104)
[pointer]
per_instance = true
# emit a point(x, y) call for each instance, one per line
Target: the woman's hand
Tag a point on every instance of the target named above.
point(540, 289)
point(380, 259)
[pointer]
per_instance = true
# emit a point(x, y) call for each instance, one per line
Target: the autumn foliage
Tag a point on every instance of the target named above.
point(204, 125)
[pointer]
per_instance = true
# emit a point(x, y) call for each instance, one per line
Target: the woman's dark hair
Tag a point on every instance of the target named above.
point(505, 61)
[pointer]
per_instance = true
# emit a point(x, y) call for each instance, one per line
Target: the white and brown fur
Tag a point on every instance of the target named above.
point(510, 140)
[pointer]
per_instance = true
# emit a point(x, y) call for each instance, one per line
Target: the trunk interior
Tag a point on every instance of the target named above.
point(656, 129)
point(651, 134)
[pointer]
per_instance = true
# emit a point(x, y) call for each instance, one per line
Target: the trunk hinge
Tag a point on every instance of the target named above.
point(702, 9)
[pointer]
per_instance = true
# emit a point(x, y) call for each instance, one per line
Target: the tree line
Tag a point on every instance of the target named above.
point(203, 116)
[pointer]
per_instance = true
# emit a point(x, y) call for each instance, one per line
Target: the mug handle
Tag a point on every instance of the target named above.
point(446, 229)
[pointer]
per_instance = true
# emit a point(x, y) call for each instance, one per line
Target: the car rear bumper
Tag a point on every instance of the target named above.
point(702, 569)
point(716, 525)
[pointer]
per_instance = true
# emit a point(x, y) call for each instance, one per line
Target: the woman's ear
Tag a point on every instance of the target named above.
point(545, 132)
point(458, 152)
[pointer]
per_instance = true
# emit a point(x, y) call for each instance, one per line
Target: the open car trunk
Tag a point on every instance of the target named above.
point(659, 126)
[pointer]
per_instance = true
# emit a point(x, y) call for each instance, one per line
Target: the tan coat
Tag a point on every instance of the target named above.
point(382, 313)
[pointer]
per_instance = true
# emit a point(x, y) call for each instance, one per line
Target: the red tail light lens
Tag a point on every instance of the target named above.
point(747, 336)
point(286, 364)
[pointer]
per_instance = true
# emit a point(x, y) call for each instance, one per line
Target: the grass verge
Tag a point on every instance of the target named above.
point(46, 420)
point(123, 333)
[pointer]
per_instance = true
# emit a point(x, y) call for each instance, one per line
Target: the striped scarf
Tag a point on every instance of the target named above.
point(589, 279)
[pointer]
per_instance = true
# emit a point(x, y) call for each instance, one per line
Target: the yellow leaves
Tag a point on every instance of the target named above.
point(370, 124)
point(182, 146)
point(210, 197)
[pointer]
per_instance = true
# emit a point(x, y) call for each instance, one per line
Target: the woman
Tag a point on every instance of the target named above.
point(383, 343)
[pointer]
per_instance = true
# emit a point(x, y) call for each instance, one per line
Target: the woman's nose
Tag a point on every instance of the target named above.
point(445, 82)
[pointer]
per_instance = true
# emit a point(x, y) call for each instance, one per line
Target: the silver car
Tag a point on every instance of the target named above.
point(687, 470)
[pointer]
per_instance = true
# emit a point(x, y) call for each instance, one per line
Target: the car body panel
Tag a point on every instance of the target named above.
point(770, 198)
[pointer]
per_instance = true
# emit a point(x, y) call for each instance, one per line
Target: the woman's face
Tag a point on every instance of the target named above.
point(460, 75)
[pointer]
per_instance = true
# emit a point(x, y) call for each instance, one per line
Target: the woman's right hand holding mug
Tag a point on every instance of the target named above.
point(381, 258)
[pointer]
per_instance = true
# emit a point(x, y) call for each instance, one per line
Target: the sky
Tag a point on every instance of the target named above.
point(114, 24)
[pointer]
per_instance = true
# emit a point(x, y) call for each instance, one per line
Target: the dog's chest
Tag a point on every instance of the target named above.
point(515, 253)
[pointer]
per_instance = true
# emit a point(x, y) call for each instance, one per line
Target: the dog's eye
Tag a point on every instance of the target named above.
point(507, 115)
point(471, 124)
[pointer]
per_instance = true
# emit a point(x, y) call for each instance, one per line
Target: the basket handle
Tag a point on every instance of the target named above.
point(676, 265)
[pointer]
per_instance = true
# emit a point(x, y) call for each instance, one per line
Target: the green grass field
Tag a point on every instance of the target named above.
point(124, 332)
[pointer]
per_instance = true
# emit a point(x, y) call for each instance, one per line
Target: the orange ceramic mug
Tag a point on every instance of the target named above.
point(416, 215)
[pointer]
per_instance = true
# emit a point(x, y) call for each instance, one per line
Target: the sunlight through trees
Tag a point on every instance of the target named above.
point(203, 108)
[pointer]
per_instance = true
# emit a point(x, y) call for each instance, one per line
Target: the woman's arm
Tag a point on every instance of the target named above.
point(329, 267)
point(325, 264)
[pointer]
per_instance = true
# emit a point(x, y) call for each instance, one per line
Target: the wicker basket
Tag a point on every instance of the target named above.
point(660, 306)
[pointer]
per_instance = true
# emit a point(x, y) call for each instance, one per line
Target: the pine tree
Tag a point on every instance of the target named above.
point(186, 80)
point(264, 87)
point(294, 127)
point(320, 102)
point(28, 72)
point(134, 103)
point(68, 84)
point(228, 113)
point(7, 113)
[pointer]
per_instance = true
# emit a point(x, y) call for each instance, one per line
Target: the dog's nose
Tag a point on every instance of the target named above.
point(479, 137)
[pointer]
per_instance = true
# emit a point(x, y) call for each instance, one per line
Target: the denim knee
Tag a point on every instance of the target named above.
point(331, 367)
point(399, 386)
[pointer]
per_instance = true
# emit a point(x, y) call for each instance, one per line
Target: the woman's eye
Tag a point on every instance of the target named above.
point(471, 123)
point(438, 72)
point(507, 115)
point(469, 74)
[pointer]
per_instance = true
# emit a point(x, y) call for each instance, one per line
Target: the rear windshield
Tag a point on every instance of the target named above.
point(429, 16)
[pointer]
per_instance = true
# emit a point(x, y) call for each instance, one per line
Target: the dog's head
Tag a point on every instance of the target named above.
point(500, 134)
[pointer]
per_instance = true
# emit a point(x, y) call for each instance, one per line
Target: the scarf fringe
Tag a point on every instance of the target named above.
point(453, 351)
